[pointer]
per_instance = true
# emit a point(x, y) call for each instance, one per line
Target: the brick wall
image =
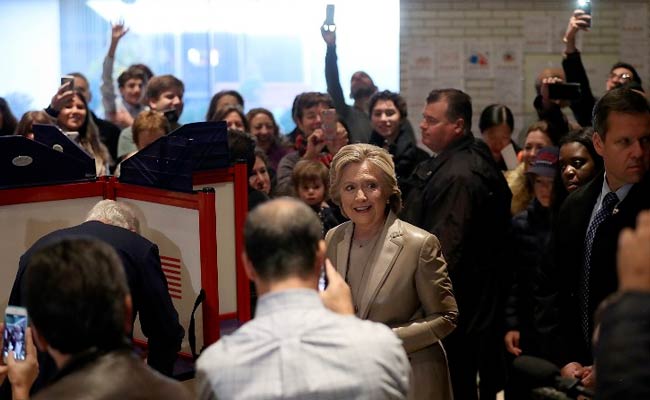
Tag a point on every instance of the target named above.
point(428, 21)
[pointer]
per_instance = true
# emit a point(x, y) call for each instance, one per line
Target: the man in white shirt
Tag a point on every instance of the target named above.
point(300, 345)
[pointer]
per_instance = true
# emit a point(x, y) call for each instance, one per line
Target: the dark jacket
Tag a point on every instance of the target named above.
point(559, 281)
point(109, 134)
point(623, 349)
point(356, 120)
point(531, 231)
point(575, 72)
point(461, 197)
point(115, 375)
point(406, 154)
point(147, 283)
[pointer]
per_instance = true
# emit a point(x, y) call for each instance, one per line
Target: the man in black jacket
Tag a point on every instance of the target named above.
point(623, 348)
point(116, 225)
point(461, 197)
point(619, 74)
point(581, 270)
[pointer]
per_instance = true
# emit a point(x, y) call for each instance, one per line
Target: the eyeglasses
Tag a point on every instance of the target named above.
point(624, 77)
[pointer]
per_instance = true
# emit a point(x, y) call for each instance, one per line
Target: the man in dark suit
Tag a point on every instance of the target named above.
point(115, 224)
point(461, 197)
point(582, 267)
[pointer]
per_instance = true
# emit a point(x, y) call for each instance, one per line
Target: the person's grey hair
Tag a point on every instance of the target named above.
point(281, 238)
point(380, 158)
point(114, 213)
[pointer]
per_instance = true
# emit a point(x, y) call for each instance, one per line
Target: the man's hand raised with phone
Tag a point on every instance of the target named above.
point(578, 21)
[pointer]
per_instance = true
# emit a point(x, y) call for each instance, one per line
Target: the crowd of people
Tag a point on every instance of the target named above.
point(472, 257)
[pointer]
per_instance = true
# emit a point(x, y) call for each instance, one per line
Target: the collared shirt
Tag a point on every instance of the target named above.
point(621, 193)
point(295, 348)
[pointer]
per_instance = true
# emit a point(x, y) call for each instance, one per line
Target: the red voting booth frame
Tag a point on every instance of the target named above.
point(203, 201)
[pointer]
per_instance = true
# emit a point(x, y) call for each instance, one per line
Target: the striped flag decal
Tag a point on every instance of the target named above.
point(172, 269)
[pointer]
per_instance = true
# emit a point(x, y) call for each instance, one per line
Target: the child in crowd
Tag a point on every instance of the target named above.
point(147, 127)
point(311, 185)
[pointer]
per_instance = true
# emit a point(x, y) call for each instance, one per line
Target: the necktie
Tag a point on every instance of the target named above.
point(609, 201)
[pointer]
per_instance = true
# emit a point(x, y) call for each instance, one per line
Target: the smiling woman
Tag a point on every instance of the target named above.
point(73, 116)
point(395, 270)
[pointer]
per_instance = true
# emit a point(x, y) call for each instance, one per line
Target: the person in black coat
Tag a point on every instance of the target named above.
point(623, 346)
point(388, 114)
point(578, 276)
point(461, 197)
point(116, 225)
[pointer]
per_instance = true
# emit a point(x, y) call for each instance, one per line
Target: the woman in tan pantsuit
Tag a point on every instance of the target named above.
point(395, 270)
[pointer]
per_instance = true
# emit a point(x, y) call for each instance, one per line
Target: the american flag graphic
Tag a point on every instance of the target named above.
point(172, 269)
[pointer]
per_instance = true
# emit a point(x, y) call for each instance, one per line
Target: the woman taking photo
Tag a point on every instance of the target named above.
point(70, 110)
point(395, 270)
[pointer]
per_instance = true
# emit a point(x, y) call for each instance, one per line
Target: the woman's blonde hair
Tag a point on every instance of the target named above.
point(358, 153)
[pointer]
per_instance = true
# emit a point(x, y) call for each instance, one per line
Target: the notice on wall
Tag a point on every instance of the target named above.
point(421, 62)
point(449, 59)
point(478, 59)
point(537, 34)
point(508, 62)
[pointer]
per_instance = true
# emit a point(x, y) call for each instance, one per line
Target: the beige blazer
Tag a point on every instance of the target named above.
point(409, 291)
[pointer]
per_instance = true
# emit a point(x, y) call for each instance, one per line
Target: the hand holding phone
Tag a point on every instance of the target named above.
point(69, 81)
point(564, 91)
point(329, 119)
point(585, 6)
point(22, 372)
point(337, 296)
point(13, 336)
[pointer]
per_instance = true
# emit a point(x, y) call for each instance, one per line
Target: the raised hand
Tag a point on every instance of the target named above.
point(118, 30)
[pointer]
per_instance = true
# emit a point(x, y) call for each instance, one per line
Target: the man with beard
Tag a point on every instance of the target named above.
point(361, 88)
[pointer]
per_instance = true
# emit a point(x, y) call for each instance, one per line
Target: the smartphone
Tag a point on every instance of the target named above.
point(13, 337)
point(171, 115)
point(329, 25)
point(564, 91)
point(69, 80)
point(329, 119)
point(585, 6)
point(322, 279)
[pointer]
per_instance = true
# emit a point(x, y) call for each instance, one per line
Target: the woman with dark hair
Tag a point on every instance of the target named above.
point(579, 164)
point(234, 117)
point(579, 161)
point(267, 135)
point(387, 117)
point(496, 125)
point(7, 120)
point(75, 117)
point(221, 99)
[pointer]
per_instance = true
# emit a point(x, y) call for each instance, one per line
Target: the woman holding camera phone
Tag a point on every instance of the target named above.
point(70, 110)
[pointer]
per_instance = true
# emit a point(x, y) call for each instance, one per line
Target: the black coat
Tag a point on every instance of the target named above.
point(559, 282)
point(147, 283)
point(406, 154)
point(531, 231)
point(461, 197)
point(623, 350)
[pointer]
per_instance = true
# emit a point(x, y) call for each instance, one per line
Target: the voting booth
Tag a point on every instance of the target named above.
point(194, 215)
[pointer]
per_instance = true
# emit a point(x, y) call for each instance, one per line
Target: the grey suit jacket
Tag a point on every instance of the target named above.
point(410, 291)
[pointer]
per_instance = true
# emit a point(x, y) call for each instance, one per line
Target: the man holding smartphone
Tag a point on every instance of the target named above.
point(621, 73)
